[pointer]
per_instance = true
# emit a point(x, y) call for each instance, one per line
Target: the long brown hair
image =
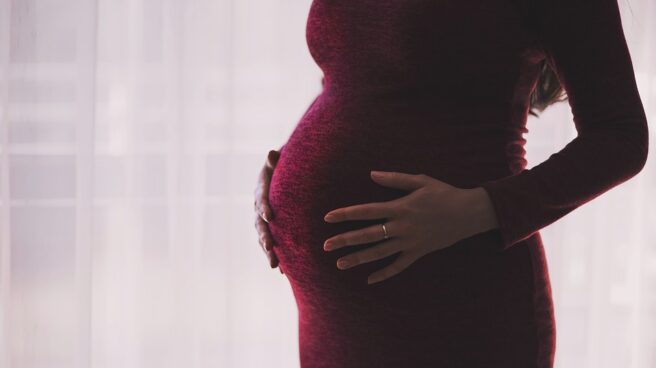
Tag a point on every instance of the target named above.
point(547, 91)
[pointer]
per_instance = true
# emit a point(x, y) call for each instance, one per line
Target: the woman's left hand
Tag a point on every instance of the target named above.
point(433, 216)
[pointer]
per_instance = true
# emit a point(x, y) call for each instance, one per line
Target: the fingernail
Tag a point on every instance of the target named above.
point(342, 264)
point(377, 174)
point(264, 216)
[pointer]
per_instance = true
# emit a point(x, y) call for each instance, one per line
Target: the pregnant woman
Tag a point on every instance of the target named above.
point(438, 261)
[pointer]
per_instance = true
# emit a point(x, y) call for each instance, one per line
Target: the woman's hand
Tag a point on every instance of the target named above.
point(433, 216)
point(263, 212)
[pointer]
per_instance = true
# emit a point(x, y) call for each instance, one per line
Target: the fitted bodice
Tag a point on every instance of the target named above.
point(462, 65)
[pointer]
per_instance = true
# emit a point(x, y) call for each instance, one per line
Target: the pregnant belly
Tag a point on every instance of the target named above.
point(314, 175)
point(326, 164)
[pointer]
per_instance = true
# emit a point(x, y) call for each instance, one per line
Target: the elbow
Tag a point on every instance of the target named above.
point(640, 164)
point(642, 149)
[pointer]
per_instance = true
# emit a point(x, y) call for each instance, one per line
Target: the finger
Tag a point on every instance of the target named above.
point(404, 260)
point(271, 256)
point(272, 159)
point(266, 240)
point(400, 180)
point(263, 179)
point(261, 194)
point(273, 260)
point(368, 234)
point(379, 251)
point(262, 188)
point(366, 211)
point(265, 213)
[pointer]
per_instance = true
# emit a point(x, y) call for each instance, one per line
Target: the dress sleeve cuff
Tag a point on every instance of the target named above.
point(508, 196)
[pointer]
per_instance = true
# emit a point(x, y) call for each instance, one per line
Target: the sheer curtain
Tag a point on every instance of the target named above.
point(131, 136)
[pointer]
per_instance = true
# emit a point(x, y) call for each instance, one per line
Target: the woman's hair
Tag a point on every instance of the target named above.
point(547, 91)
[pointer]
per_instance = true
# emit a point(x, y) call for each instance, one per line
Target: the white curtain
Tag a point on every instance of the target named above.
point(131, 136)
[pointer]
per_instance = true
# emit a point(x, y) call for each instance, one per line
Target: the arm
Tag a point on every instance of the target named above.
point(584, 42)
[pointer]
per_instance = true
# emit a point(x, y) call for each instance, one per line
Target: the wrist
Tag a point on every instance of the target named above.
point(481, 210)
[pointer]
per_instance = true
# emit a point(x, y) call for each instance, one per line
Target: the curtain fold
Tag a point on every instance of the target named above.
point(131, 136)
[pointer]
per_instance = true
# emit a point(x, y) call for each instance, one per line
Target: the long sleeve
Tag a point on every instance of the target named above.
point(584, 41)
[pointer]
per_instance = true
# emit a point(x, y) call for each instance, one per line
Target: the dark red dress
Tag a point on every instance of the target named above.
point(441, 87)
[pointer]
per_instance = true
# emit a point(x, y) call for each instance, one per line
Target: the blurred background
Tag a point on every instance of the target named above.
point(132, 133)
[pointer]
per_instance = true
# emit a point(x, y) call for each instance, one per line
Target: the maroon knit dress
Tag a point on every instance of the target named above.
point(441, 87)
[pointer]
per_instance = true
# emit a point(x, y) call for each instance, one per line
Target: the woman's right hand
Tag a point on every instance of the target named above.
point(263, 213)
